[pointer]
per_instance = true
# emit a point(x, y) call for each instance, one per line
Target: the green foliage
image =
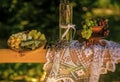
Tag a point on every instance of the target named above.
point(111, 76)
point(20, 71)
point(21, 15)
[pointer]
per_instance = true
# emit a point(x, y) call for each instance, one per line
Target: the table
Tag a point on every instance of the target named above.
point(74, 62)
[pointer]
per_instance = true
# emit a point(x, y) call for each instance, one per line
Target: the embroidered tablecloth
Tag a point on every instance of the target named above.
point(74, 62)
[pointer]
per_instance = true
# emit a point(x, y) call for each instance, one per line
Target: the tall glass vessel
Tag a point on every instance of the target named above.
point(65, 19)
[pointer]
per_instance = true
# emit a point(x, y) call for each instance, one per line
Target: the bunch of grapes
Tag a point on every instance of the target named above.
point(36, 35)
point(87, 28)
point(102, 22)
point(86, 33)
point(26, 40)
point(88, 24)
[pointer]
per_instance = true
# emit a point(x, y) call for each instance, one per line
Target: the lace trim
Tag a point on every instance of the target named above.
point(75, 62)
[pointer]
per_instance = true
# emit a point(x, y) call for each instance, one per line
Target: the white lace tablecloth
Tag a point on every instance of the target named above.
point(76, 63)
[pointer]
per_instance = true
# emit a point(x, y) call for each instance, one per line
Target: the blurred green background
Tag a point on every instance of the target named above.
point(43, 15)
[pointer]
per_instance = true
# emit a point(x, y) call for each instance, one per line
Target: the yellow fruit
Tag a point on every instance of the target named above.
point(32, 32)
point(17, 46)
point(29, 39)
point(12, 45)
point(36, 37)
point(39, 33)
point(42, 37)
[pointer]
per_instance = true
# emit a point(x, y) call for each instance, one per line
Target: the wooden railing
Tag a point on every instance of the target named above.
point(35, 56)
point(11, 56)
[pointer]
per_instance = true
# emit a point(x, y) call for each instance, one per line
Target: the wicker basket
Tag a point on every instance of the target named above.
point(28, 44)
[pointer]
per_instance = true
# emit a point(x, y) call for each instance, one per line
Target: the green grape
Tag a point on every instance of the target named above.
point(86, 33)
point(35, 37)
point(90, 28)
point(83, 34)
point(36, 44)
point(88, 36)
point(84, 26)
point(30, 44)
point(42, 37)
point(89, 31)
point(26, 43)
point(32, 33)
point(39, 33)
point(87, 20)
point(88, 24)
point(95, 23)
point(91, 22)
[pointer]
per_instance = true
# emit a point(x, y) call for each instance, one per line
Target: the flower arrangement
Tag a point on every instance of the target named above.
point(91, 27)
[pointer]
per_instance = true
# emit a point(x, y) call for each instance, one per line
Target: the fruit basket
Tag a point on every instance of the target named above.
point(26, 40)
point(93, 30)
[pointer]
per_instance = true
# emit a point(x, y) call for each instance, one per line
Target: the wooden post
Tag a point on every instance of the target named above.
point(65, 18)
